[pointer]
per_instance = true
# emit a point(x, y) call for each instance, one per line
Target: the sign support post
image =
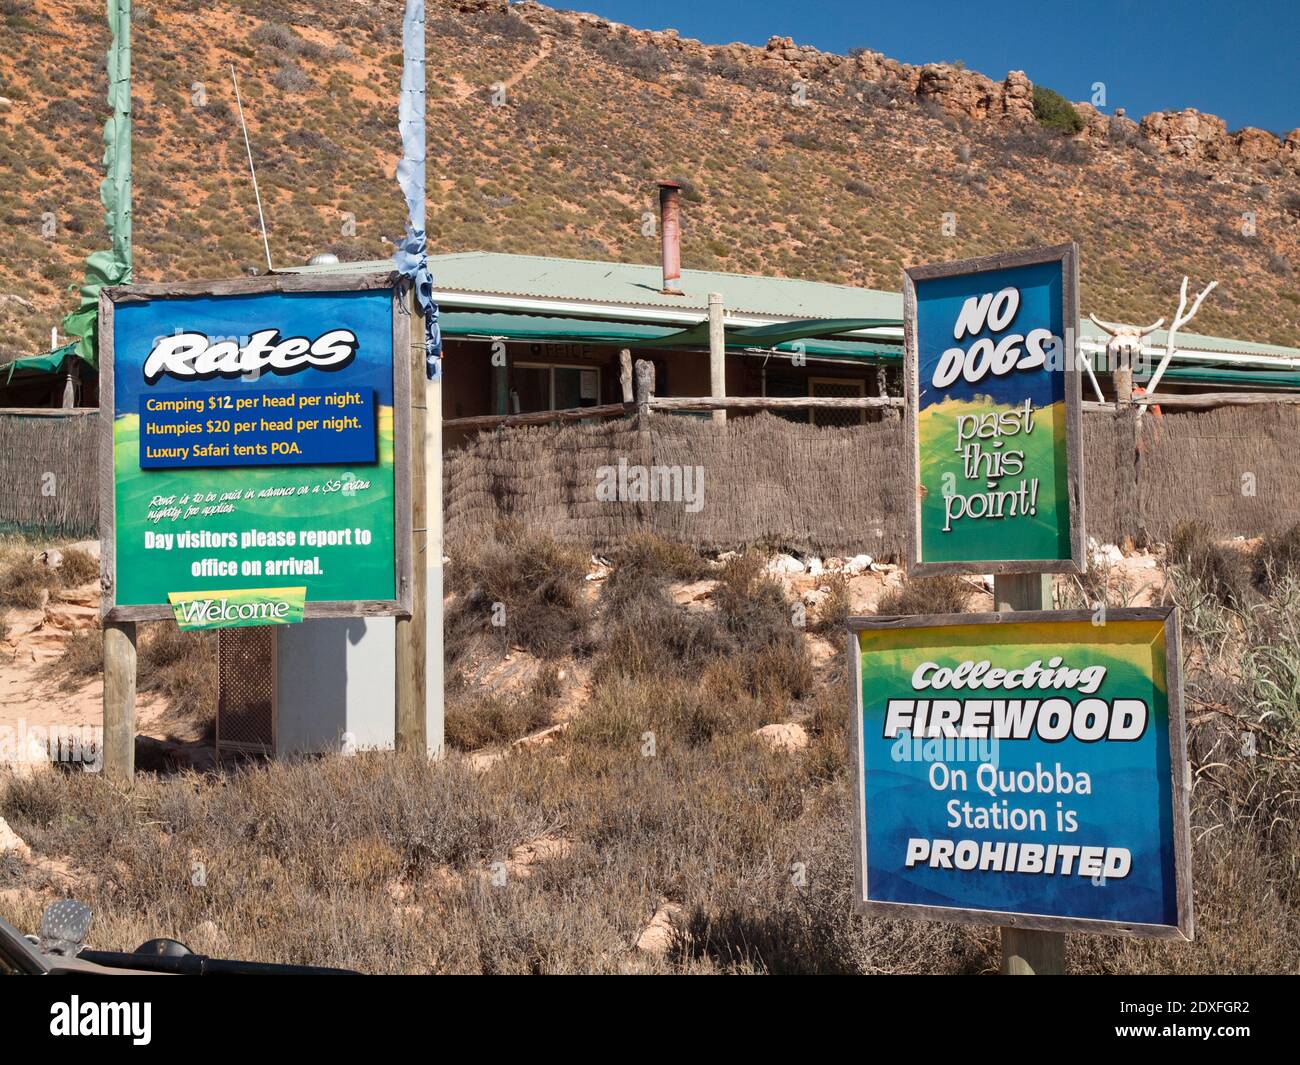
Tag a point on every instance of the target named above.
point(1026, 951)
point(409, 730)
point(433, 566)
point(119, 701)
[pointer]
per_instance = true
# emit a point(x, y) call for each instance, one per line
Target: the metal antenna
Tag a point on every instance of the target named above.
point(252, 169)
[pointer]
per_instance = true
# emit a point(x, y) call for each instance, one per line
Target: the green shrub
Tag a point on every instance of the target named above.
point(1054, 112)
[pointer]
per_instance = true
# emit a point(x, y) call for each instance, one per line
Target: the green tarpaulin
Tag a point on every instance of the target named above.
point(785, 336)
point(47, 363)
point(111, 267)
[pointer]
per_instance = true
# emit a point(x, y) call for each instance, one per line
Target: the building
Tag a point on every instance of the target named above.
point(526, 333)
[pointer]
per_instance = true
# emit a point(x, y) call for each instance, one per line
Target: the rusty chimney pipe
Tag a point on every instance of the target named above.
point(670, 233)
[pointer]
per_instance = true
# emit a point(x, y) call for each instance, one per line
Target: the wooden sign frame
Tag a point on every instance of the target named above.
point(1180, 786)
point(1068, 256)
point(399, 606)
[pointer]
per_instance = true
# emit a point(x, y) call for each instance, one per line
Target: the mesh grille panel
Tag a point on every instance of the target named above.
point(837, 390)
point(246, 690)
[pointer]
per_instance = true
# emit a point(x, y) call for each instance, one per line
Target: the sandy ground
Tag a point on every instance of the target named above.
point(31, 697)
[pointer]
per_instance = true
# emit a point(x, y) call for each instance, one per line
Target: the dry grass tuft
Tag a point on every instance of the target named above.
point(538, 582)
point(78, 567)
point(942, 594)
point(480, 719)
point(1223, 570)
point(26, 583)
point(660, 792)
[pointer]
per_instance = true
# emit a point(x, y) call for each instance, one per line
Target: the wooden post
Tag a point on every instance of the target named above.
point(119, 701)
point(72, 374)
point(1124, 385)
point(1027, 952)
point(409, 728)
point(625, 375)
point(717, 352)
point(645, 386)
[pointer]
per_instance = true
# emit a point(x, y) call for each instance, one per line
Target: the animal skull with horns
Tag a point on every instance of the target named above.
point(1125, 343)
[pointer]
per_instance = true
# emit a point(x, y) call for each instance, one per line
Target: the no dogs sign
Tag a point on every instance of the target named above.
point(994, 414)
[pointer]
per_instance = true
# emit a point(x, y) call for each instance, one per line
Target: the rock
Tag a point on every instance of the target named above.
point(1257, 145)
point(543, 849)
point(90, 547)
point(72, 616)
point(695, 595)
point(858, 564)
point(1291, 147)
point(1018, 97)
point(663, 930)
point(958, 92)
point(784, 736)
point(1187, 134)
point(11, 841)
point(87, 595)
point(785, 564)
point(1096, 126)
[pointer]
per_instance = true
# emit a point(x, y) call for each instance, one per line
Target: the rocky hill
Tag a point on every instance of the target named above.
point(548, 129)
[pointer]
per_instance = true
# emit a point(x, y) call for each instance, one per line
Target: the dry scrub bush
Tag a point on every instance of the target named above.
point(26, 583)
point(834, 612)
point(648, 554)
point(478, 719)
point(380, 862)
point(539, 582)
point(78, 567)
point(1222, 569)
point(942, 594)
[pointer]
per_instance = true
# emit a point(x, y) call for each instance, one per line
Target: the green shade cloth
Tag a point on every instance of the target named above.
point(784, 336)
point(50, 362)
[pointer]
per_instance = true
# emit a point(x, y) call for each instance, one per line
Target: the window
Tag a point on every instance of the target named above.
point(837, 388)
point(538, 386)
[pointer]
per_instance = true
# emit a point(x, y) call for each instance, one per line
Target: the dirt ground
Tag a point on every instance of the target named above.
point(32, 695)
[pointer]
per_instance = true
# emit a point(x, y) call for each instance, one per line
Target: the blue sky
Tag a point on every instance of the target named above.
point(1224, 58)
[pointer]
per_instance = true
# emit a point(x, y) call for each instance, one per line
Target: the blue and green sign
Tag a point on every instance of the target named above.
point(994, 406)
point(257, 451)
point(1025, 769)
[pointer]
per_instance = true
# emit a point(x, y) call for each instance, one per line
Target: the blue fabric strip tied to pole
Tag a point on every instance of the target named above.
point(412, 255)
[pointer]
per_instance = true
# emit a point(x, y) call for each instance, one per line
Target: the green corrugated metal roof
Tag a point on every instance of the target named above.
point(632, 285)
point(1200, 343)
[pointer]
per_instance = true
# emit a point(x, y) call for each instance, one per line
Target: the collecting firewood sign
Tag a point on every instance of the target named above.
point(993, 404)
point(1027, 770)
